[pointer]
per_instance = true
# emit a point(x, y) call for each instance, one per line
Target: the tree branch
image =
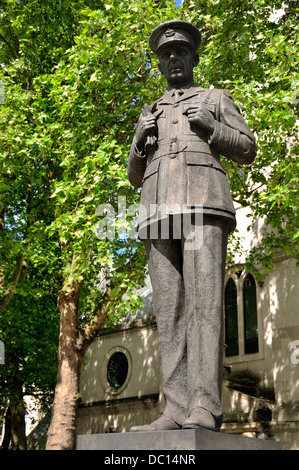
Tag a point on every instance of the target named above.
point(18, 275)
point(10, 47)
point(90, 330)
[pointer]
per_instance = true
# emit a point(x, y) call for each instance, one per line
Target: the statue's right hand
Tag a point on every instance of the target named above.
point(146, 126)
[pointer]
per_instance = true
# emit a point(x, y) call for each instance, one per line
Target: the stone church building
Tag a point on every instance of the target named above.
point(121, 378)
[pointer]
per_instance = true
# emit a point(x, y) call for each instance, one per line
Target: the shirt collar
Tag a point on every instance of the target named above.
point(183, 88)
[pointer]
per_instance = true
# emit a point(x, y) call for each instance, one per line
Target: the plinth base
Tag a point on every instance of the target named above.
point(190, 439)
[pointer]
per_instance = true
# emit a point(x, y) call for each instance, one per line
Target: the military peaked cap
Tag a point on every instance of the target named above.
point(175, 31)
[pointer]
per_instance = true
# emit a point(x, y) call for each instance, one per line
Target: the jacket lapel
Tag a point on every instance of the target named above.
point(166, 98)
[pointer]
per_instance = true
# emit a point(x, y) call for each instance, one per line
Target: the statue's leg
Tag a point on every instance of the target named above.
point(204, 269)
point(165, 268)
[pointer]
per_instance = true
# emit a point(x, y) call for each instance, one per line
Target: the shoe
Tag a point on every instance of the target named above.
point(199, 418)
point(161, 424)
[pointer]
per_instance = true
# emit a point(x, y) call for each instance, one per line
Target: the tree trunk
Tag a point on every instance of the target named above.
point(18, 428)
point(15, 426)
point(7, 430)
point(17, 414)
point(73, 342)
point(62, 430)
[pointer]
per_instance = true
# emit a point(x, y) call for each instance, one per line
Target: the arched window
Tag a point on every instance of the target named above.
point(250, 316)
point(231, 319)
point(241, 315)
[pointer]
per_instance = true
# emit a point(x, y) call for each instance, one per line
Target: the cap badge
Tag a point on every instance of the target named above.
point(169, 33)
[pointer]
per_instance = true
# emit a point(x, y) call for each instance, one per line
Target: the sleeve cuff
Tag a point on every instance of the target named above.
point(224, 139)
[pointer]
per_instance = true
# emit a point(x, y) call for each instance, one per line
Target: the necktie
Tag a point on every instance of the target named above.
point(177, 94)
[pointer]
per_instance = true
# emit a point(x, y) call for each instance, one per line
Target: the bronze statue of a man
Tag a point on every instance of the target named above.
point(175, 159)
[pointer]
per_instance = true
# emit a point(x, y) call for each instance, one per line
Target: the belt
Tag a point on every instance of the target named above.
point(175, 146)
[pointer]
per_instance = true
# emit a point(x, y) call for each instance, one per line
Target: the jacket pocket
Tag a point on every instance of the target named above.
point(161, 125)
point(205, 103)
point(202, 159)
point(207, 184)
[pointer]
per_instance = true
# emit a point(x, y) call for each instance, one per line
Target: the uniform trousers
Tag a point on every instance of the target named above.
point(188, 288)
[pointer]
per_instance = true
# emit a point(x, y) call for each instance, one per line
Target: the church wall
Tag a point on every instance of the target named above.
point(105, 408)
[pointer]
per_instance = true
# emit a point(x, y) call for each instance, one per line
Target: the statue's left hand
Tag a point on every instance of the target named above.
point(201, 116)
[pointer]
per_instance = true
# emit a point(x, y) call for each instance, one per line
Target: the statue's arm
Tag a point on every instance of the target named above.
point(136, 165)
point(232, 137)
point(146, 128)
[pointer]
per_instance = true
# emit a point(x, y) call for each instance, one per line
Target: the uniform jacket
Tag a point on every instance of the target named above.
point(183, 172)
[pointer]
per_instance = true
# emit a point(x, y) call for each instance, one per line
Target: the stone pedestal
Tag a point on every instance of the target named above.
point(173, 440)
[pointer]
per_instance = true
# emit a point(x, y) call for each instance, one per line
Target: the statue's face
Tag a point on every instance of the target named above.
point(176, 62)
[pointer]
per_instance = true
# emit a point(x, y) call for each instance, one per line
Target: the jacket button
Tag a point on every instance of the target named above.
point(176, 105)
point(175, 121)
point(210, 163)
